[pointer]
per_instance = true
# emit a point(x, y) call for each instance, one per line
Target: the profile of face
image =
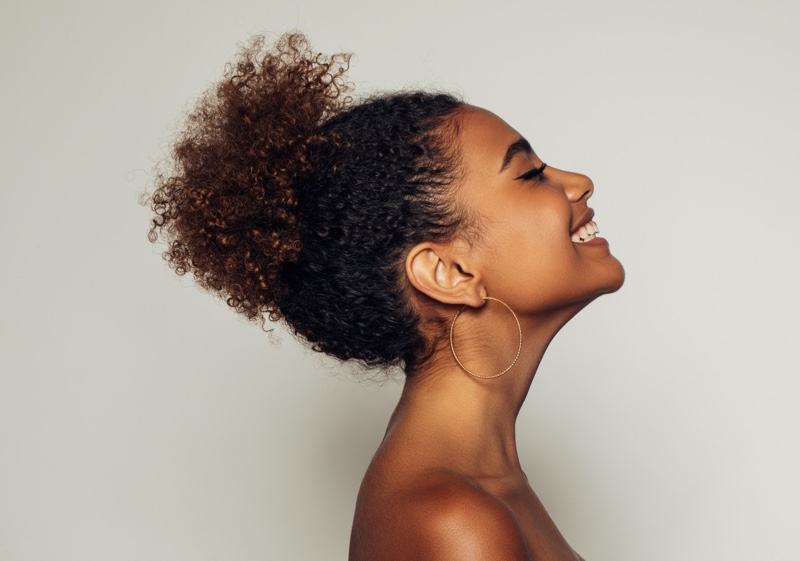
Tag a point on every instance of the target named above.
point(537, 250)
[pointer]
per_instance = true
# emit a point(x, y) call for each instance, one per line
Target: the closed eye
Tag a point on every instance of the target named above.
point(532, 173)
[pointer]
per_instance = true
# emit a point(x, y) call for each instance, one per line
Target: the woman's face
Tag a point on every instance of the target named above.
point(531, 254)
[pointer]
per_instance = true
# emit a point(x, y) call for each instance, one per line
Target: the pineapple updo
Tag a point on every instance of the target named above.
point(295, 203)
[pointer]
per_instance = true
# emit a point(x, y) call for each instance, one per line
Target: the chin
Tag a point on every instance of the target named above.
point(611, 281)
point(616, 279)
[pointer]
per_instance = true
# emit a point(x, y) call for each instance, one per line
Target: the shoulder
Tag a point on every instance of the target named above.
point(451, 518)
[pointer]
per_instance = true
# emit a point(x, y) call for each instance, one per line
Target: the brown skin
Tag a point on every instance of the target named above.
point(446, 482)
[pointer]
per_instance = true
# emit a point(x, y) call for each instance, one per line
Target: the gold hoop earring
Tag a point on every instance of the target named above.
point(453, 349)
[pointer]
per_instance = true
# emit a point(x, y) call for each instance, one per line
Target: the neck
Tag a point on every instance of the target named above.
point(469, 421)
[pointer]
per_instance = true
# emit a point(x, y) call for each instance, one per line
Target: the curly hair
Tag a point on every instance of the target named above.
point(294, 203)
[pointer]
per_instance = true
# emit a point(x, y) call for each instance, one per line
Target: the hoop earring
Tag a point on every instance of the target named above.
point(453, 349)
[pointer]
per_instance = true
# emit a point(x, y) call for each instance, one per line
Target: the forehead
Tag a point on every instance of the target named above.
point(483, 140)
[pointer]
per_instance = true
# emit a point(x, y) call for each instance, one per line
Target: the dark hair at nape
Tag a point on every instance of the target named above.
point(369, 197)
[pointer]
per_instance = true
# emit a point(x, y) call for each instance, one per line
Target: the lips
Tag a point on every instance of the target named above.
point(585, 229)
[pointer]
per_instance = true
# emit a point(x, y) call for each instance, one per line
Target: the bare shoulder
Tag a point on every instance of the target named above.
point(451, 518)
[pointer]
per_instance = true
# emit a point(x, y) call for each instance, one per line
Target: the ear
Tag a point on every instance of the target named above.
point(437, 272)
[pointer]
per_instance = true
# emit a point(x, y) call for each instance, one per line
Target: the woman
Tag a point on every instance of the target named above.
point(410, 230)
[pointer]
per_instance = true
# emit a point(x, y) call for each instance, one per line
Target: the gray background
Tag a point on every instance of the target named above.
point(141, 420)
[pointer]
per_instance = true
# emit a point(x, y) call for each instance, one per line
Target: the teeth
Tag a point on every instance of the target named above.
point(585, 233)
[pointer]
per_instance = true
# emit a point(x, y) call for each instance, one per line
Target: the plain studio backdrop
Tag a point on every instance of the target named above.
point(140, 419)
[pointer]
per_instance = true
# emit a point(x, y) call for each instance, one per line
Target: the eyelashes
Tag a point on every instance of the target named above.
point(532, 173)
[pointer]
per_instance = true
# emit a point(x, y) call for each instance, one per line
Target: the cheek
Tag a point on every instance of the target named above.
point(535, 247)
point(531, 261)
point(539, 236)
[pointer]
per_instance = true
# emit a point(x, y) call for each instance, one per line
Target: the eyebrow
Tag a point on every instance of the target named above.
point(520, 146)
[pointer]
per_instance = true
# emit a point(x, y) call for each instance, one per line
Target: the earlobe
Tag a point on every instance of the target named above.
point(432, 271)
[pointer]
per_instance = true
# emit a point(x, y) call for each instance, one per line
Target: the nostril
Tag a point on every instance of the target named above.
point(588, 186)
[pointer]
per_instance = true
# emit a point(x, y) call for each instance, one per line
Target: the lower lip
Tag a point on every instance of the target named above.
point(594, 241)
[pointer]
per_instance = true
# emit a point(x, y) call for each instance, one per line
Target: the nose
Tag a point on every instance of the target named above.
point(576, 186)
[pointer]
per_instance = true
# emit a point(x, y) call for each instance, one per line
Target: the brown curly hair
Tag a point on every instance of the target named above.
point(243, 147)
point(292, 202)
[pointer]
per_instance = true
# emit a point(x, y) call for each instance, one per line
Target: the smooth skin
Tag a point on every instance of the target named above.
point(446, 482)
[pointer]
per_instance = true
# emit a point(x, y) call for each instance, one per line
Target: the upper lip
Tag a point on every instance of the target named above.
point(583, 219)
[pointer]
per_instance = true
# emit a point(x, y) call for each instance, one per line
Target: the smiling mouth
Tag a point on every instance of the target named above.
point(585, 233)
